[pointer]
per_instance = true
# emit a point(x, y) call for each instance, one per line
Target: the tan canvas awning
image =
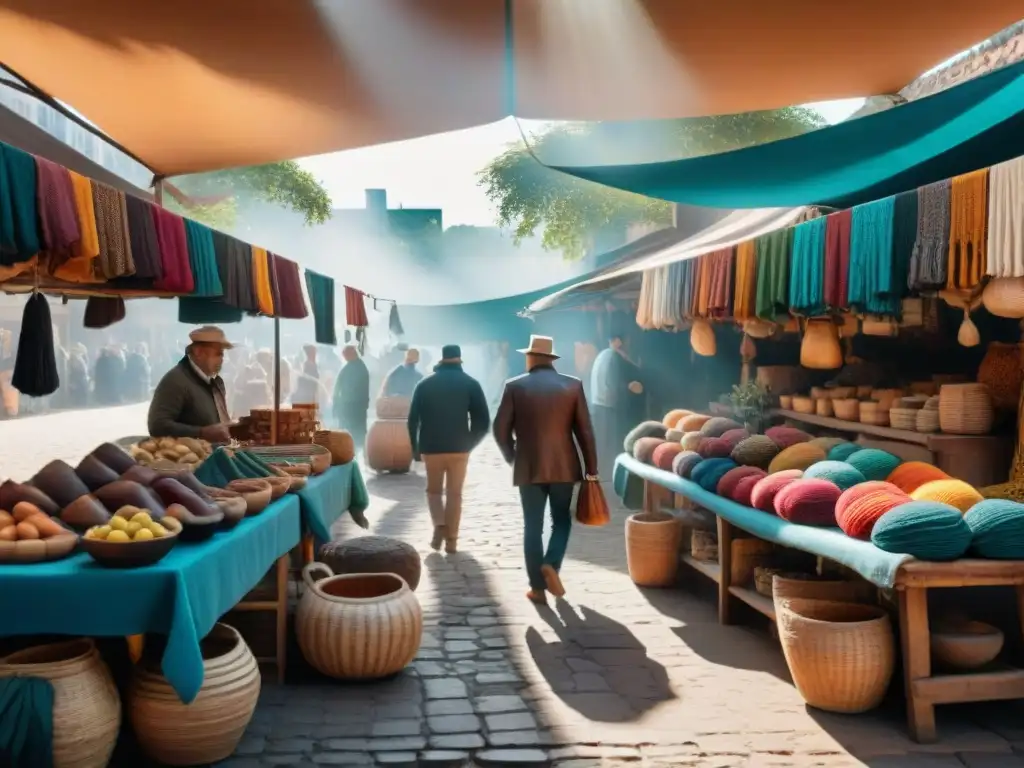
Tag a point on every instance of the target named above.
point(197, 85)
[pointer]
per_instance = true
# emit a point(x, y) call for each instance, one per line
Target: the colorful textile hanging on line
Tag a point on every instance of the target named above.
point(355, 308)
point(321, 299)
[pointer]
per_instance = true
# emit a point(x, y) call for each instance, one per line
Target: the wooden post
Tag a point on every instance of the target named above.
point(283, 563)
point(277, 381)
point(917, 661)
point(725, 566)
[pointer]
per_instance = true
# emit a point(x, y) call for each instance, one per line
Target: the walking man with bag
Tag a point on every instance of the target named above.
point(542, 426)
point(448, 418)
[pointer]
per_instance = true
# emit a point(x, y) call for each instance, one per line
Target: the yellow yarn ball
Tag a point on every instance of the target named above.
point(956, 493)
point(674, 416)
point(691, 440)
point(799, 456)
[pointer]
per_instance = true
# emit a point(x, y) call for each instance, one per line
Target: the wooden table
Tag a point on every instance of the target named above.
point(922, 687)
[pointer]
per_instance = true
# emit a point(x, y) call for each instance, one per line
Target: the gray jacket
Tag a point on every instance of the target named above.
point(183, 403)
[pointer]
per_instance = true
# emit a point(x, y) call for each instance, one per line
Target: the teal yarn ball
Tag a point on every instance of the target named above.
point(927, 530)
point(644, 429)
point(873, 463)
point(710, 471)
point(838, 472)
point(997, 527)
point(842, 451)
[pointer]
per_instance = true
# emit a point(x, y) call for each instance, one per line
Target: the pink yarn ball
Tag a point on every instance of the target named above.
point(664, 454)
point(808, 502)
point(727, 485)
point(763, 494)
point(714, 448)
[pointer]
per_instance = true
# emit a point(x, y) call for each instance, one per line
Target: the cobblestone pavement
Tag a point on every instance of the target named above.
point(616, 675)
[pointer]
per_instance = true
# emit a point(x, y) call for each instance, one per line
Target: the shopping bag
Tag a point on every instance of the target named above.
point(591, 507)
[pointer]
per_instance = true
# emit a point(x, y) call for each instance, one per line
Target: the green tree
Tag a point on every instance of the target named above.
point(528, 196)
point(216, 196)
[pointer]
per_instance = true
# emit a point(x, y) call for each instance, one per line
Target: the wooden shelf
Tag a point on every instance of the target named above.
point(708, 568)
point(757, 601)
point(930, 440)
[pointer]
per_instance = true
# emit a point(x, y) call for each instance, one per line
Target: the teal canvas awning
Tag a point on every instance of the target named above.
point(971, 126)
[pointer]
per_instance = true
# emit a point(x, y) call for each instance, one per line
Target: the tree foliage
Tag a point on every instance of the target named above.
point(567, 210)
point(218, 194)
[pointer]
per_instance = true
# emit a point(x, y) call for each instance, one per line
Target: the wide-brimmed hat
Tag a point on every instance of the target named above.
point(544, 346)
point(210, 334)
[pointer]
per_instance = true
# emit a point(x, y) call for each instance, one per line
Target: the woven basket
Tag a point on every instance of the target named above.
point(873, 412)
point(702, 338)
point(803, 404)
point(965, 409)
point(339, 442)
point(1004, 297)
point(841, 393)
point(652, 548)
point(792, 587)
point(704, 546)
point(823, 407)
point(927, 420)
point(847, 409)
point(786, 402)
point(318, 457)
point(819, 392)
point(927, 388)
point(358, 626)
point(763, 576)
point(966, 645)
point(388, 448)
point(820, 347)
point(207, 730)
point(393, 407)
point(841, 655)
point(903, 418)
point(1001, 370)
point(747, 555)
point(86, 707)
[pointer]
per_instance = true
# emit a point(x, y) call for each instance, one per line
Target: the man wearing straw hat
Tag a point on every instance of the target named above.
point(542, 426)
point(190, 400)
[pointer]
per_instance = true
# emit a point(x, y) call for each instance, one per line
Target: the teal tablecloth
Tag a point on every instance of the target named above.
point(182, 596)
point(864, 557)
point(326, 497)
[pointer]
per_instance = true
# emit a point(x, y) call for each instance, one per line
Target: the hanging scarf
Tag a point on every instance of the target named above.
point(837, 259)
point(58, 218)
point(289, 301)
point(967, 236)
point(321, 299)
point(20, 238)
point(685, 273)
point(395, 322)
point(355, 308)
point(745, 298)
point(234, 267)
point(773, 252)
point(644, 304)
point(83, 265)
point(871, 231)
point(202, 259)
point(170, 234)
point(1005, 248)
point(806, 271)
point(703, 295)
point(143, 237)
point(720, 293)
point(904, 235)
point(115, 258)
point(261, 281)
point(931, 246)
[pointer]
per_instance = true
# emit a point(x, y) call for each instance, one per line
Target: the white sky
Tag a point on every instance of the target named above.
point(441, 171)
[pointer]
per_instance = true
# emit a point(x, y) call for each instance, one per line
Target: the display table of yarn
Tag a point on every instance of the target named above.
point(388, 448)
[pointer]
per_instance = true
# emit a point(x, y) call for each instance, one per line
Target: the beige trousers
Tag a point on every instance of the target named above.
point(446, 474)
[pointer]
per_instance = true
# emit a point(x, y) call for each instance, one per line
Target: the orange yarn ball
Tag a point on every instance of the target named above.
point(860, 507)
point(663, 455)
point(911, 475)
point(955, 493)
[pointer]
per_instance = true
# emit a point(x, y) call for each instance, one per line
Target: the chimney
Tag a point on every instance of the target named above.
point(376, 200)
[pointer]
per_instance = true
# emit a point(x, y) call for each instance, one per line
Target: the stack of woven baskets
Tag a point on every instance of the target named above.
point(965, 409)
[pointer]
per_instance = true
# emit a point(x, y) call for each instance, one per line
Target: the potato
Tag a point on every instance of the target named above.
point(23, 510)
point(6, 518)
point(189, 458)
point(166, 443)
point(8, 533)
point(27, 531)
point(168, 454)
point(46, 526)
point(181, 450)
point(150, 446)
point(145, 457)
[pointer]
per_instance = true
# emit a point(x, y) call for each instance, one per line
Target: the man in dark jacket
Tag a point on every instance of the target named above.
point(352, 396)
point(448, 418)
point(402, 379)
point(541, 413)
point(191, 400)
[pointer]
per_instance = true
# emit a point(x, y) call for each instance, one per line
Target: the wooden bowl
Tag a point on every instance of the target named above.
point(257, 494)
point(279, 486)
point(130, 554)
point(233, 508)
point(38, 550)
point(966, 645)
point(195, 527)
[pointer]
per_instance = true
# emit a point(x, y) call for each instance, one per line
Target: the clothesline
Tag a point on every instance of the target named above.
point(952, 235)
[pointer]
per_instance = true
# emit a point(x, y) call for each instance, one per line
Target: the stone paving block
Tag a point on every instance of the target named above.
point(443, 758)
point(445, 688)
point(453, 724)
point(497, 704)
point(288, 746)
point(512, 721)
point(355, 759)
point(396, 728)
point(524, 738)
point(457, 741)
point(449, 707)
point(398, 759)
point(512, 758)
point(991, 759)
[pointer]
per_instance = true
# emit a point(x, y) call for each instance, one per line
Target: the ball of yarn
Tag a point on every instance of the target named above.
point(839, 472)
point(911, 475)
point(643, 429)
point(718, 426)
point(745, 487)
point(674, 435)
point(691, 440)
point(826, 443)
point(873, 463)
point(860, 507)
point(955, 493)
point(693, 422)
point(727, 485)
point(755, 451)
point(808, 502)
point(710, 471)
point(787, 436)
point(643, 449)
point(927, 530)
point(843, 451)
point(665, 454)
point(714, 448)
point(672, 417)
point(735, 436)
point(799, 456)
point(997, 529)
point(684, 463)
point(763, 494)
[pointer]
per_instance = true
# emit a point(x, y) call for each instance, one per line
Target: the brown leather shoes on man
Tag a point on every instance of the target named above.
point(552, 580)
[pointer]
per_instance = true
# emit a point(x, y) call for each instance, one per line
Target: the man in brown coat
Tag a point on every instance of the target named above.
point(542, 427)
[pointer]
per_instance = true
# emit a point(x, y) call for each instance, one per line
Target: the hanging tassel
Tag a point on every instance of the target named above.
point(395, 322)
point(35, 368)
point(104, 311)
